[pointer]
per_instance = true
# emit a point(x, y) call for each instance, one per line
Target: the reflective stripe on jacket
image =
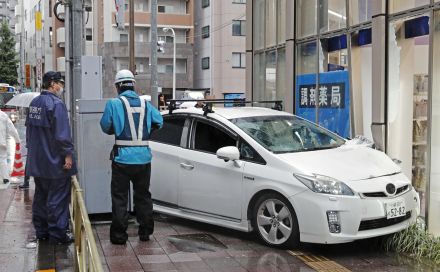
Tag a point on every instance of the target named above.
point(116, 120)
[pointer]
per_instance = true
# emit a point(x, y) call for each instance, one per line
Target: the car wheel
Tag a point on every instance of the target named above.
point(274, 220)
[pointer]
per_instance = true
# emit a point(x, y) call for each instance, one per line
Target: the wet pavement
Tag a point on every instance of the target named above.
point(183, 245)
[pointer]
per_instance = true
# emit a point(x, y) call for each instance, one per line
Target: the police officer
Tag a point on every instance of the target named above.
point(131, 120)
point(50, 160)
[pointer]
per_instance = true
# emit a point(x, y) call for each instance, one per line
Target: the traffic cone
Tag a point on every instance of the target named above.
point(18, 170)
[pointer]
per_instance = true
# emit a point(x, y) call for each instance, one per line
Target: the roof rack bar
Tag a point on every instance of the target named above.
point(207, 108)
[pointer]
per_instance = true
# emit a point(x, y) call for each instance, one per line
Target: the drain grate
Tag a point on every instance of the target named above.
point(196, 242)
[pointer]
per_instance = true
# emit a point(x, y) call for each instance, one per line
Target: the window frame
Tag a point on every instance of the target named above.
point(242, 65)
point(205, 34)
point(242, 33)
point(184, 133)
point(206, 67)
point(211, 122)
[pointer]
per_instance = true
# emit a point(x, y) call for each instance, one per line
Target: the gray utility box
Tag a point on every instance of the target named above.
point(91, 77)
point(93, 146)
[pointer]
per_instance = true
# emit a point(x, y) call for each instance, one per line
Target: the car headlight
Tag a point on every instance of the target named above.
point(324, 185)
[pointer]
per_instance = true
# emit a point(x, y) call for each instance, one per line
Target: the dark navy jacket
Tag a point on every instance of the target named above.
point(48, 138)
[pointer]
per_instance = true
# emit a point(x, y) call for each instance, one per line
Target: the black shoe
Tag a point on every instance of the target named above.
point(5, 181)
point(24, 186)
point(144, 238)
point(68, 239)
point(118, 242)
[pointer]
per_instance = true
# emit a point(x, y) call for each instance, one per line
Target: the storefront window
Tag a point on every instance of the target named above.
point(333, 93)
point(434, 197)
point(281, 75)
point(332, 15)
point(271, 75)
point(271, 22)
point(408, 78)
point(361, 80)
point(401, 5)
point(307, 68)
point(259, 76)
point(306, 18)
point(360, 11)
point(258, 21)
point(281, 21)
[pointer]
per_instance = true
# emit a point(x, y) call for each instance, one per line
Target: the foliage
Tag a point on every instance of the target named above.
point(8, 56)
point(415, 241)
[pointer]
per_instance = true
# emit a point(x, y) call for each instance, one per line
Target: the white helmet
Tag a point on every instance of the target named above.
point(124, 75)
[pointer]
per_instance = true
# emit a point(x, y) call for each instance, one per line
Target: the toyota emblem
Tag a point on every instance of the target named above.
point(391, 189)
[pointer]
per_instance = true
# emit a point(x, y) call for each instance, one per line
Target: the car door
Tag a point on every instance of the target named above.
point(208, 184)
point(166, 145)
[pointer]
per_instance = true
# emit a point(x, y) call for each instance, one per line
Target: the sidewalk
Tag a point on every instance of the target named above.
point(16, 230)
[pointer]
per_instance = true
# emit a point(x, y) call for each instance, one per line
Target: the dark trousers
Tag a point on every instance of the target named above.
point(139, 175)
point(50, 208)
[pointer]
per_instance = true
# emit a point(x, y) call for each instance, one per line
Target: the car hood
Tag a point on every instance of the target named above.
point(345, 163)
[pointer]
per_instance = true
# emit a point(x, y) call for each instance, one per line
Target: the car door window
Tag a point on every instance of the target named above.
point(247, 153)
point(171, 131)
point(210, 138)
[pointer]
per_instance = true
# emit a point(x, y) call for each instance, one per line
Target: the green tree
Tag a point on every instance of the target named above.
point(8, 56)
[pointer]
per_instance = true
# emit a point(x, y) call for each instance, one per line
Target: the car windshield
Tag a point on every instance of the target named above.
point(4, 98)
point(286, 134)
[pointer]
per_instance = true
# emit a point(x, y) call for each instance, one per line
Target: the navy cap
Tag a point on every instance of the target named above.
point(52, 76)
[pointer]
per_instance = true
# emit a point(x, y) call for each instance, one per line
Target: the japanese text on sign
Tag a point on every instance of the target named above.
point(331, 95)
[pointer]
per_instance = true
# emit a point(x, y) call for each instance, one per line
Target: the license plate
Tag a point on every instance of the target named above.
point(395, 209)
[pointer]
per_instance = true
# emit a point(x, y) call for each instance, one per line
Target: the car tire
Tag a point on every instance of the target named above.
point(274, 221)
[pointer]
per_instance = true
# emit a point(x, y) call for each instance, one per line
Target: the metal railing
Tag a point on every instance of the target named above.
point(86, 253)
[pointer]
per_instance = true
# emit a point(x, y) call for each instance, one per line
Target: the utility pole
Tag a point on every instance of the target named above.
point(131, 36)
point(77, 46)
point(154, 86)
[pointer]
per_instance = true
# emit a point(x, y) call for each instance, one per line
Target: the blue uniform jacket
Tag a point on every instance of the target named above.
point(48, 138)
point(114, 121)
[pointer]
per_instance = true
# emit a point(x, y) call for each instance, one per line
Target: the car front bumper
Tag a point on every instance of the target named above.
point(311, 209)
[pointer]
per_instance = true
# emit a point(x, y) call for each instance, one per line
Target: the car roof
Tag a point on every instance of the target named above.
point(235, 112)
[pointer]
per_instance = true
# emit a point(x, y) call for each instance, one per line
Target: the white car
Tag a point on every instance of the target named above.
point(257, 169)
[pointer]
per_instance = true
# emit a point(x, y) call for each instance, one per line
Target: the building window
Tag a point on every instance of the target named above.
point(205, 3)
point(50, 36)
point(239, 1)
point(205, 63)
point(166, 39)
point(123, 37)
point(238, 60)
point(238, 28)
point(161, 9)
point(205, 32)
point(89, 34)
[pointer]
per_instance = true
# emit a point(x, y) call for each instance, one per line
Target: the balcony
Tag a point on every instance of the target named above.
point(61, 64)
point(61, 37)
point(17, 11)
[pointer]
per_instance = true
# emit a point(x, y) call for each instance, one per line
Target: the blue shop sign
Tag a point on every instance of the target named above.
point(331, 97)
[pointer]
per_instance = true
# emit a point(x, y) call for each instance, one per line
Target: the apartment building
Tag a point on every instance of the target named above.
point(7, 8)
point(220, 42)
point(114, 47)
point(33, 29)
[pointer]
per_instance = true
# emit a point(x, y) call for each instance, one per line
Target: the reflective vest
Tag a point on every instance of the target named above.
point(130, 136)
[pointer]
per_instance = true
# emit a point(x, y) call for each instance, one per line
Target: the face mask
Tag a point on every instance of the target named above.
point(60, 92)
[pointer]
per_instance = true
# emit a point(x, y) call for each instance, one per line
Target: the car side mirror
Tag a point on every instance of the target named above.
point(228, 153)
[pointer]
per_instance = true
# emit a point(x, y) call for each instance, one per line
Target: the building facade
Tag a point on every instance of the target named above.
point(113, 44)
point(33, 30)
point(357, 67)
point(219, 52)
point(7, 13)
